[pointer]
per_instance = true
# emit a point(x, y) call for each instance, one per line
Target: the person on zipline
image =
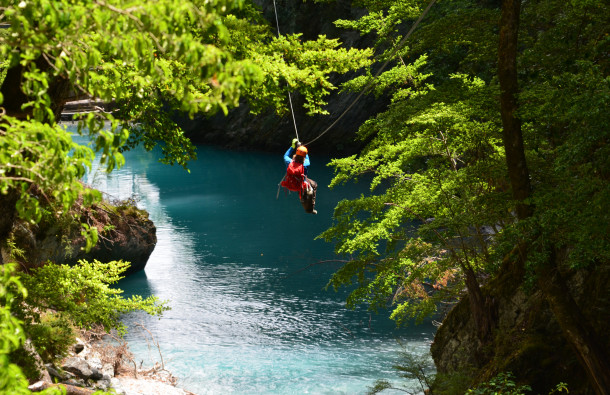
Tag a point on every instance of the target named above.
point(296, 180)
point(290, 153)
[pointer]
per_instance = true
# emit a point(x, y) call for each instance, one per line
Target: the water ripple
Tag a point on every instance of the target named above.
point(249, 315)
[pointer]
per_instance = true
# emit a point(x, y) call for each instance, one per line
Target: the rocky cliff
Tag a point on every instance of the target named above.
point(125, 233)
point(527, 342)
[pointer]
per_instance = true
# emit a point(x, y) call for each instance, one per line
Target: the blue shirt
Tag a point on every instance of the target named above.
point(288, 158)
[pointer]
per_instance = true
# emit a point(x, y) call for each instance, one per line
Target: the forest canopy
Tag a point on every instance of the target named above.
point(489, 166)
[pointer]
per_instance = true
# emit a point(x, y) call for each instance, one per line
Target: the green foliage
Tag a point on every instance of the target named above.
point(3, 70)
point(440, 205)
point(412, 369)
point(11, 290)
point(439, 201)
point(434, 203)
point(150, 61)
point(52, 336)
point(289, 64)
point(29, 153)
point(12, 336)
point(566, 124)
point(561, 387)
point(503, 383)
point(83, 294)
point(90, 235)
point(453, 382)
point(108, 229)
point(14, 251)
point(59, 299)
point(12, 379)
point(576, 188)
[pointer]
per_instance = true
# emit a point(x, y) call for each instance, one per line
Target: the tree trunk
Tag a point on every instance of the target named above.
point(14, 97)
point(58, 91)
point(509, 87)
point(7, 217)
point(481, 307)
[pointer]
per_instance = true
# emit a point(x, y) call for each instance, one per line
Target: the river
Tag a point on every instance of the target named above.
point(245, 277)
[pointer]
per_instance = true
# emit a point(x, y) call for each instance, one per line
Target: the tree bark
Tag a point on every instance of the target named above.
point(509, 87)
point(14, 97)
point(481, 307)
point(7, 217)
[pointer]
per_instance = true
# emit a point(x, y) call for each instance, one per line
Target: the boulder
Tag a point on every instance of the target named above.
point(78, 366)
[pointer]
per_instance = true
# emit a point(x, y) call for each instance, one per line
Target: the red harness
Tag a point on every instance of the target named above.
point(295, 178)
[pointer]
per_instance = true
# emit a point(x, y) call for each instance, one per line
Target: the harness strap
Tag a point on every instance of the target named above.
point(279, 186)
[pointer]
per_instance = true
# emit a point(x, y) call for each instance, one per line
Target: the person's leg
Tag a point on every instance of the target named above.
point(304, 199)
point(309, 199)
point(314, 185)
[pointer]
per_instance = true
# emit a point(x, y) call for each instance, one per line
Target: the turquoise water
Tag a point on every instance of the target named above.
point(244, 278)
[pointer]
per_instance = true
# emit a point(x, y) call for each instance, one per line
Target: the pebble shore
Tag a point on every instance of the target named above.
point(105, 363)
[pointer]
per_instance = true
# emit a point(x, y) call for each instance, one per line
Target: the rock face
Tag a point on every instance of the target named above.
point(268, 132)
point(125, 233)
point(129, 236)
point(528, 342)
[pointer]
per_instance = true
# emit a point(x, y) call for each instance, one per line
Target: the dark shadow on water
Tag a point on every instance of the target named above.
point(135, 284)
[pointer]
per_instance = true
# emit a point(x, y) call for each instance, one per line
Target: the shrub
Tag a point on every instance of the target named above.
point(503, 384)
point(60, 298)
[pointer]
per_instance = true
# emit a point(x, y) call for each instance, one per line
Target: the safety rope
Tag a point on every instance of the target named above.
point(277, 24)
point(368, 86)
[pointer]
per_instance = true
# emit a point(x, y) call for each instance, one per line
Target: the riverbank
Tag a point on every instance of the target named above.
point(102, 361)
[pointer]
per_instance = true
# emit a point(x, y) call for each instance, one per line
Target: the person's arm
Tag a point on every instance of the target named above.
point(288, 156)
point(306, 164)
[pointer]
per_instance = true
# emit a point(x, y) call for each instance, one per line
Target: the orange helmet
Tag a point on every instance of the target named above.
point(302, 151)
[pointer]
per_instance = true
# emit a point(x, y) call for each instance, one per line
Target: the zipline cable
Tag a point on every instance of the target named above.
point(367, 87)
point(277, 24)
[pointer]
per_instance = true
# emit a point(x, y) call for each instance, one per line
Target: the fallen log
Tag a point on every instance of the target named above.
point(69, 389)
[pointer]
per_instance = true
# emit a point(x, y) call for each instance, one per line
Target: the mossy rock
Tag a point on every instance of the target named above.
point(527, 342)
point(125, 232)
